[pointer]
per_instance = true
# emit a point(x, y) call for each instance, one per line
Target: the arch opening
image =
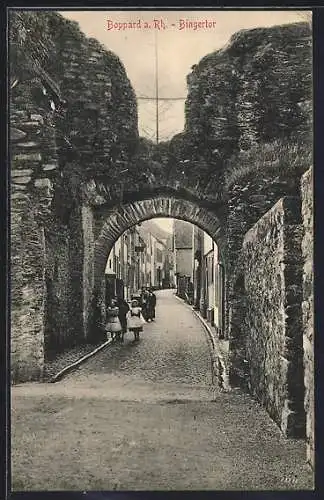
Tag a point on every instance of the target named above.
point(184, 258)
point(111, 223)
point(114, 222)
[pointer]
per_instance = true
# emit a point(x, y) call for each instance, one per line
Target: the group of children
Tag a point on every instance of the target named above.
point(121, 317)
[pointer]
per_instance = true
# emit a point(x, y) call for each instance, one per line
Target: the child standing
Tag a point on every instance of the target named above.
point(135, 320)
point(113, 325)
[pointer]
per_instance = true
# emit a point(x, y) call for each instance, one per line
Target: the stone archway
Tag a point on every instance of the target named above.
point(124, 216)
point(111, 222)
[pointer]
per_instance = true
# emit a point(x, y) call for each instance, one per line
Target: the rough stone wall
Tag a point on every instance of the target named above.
point(99, 127)
point(90, 137)
point(65, 127)
point(27, 292)
point(234, 99)
point(97, 136)
point(272, 321)
point(225, 105)
point(69, 278)
point(247, 139)
point(33, 170)
point(88, 266)
point(226, 102)
point(308, 309)
point(248, 200)
point(228, 95)
point(234, 102)
point(57, 290)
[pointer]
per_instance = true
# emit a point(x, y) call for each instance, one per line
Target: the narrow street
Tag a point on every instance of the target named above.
point(146, 416)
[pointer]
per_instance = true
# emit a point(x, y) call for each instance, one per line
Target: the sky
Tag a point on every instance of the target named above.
point(137, 36)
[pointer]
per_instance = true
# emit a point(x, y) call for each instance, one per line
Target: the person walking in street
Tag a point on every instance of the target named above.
point(113, 325)
point(145, 303)
point(152, 304)
point(123, 309)
point(135, 319)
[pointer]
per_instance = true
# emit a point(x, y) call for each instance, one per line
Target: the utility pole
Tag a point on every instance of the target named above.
point(157, 97)
point(157, 86)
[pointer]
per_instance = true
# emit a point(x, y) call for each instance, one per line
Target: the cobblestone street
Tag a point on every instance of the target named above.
point(172, 349)
point(146, 416)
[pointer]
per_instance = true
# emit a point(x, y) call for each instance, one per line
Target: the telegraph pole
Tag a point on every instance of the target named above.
point(157, 97)
point(157, 87)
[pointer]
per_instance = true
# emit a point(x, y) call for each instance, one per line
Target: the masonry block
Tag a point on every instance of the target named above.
point(308, 311)
point(272, 324)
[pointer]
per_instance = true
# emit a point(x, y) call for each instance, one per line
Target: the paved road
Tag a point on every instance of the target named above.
point(146, 416)
point(172, 349)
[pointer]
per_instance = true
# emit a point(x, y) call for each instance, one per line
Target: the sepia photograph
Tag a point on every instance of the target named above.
point(161, 250)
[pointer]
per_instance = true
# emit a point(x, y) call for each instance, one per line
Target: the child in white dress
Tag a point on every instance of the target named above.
point(135, 320)
point(113, 326)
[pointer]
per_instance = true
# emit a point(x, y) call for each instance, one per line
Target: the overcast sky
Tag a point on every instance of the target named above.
point(178, 50)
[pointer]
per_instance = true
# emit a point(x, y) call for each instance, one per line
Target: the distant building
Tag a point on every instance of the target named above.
point(125, 265)
point(199, 272)
point(169, 265)
point(141, 257)
point(183, 256)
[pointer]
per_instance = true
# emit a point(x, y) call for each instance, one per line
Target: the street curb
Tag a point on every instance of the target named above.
point(70, 367)
point(220, 361)
point(219, 364)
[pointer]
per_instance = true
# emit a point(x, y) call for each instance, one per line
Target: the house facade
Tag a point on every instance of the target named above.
point(141, 257)
point(200, 274)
